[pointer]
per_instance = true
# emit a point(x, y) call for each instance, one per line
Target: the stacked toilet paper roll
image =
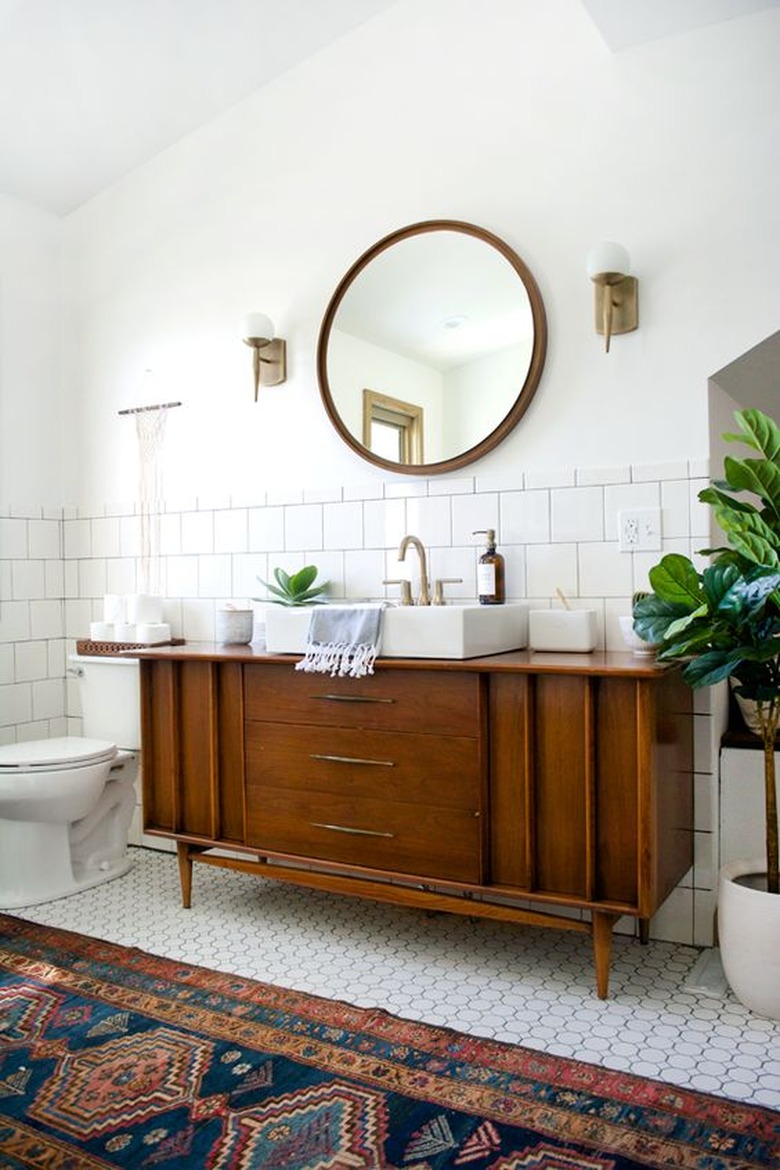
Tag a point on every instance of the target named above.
point(152, 633)
point(131, 618)
point(142, 608)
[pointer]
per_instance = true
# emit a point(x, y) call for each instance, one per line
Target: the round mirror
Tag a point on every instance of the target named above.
point(431, 348)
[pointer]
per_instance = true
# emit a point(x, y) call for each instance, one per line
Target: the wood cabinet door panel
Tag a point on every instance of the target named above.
point(402, 838)
point(430, 769)
point(616, 863)
point(561, 760)
point(439, 702)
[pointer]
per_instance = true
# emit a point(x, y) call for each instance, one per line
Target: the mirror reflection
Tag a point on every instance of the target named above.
point(432, 347)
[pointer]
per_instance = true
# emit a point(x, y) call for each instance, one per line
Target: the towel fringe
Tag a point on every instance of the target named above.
point(338, 659)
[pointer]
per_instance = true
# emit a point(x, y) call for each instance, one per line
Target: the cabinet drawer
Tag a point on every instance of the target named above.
point(439, 702)
point(380, 834)
point(429, 769)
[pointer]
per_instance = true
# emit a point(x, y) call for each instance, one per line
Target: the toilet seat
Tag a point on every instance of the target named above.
point(54, 755)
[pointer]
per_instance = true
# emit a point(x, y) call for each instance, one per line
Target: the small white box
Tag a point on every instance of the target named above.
point(563, 629)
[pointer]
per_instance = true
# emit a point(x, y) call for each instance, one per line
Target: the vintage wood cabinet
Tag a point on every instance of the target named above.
point(520, 786)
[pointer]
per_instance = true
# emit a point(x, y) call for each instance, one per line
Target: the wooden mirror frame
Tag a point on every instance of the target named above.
point(526, 393)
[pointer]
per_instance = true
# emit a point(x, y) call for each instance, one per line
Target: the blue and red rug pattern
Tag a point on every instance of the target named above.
point(111, 1057)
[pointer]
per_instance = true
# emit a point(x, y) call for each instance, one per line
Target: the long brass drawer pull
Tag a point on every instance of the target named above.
point(353, 699)
point(347, 829)
point(351, 760)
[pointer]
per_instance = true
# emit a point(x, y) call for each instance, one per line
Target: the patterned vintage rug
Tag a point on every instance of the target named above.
point(112, 1057)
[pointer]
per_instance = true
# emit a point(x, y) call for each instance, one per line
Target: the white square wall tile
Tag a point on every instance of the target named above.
point(31, 661)
point(604, 571)
point(120, 575)
point(364, 572)
point(13, 539)
point(452, 563)
point(48, 699)
point(77, 616)
point(249, 571)
point(384, 523)
point(342, 525)
point(197, 532)
point(701, 514)
point(215, 576)
point(551, 567)
point(45, 539)
point(303, 527)
point(577, 514)
point(525, 517)
point(231, 531)
point(266, 529)
point(54, 579)
point(7, 670)
point(77, 539)
point(130, 536)
point(198, 620)
point(471, 514)
point(430, 518)
point(170, 534)
point(15, 621)
point(27, 580)
point(15, 704)
point(106, 537)
point(46, 619)
point(675, 508)
point(92, 578)
point(182, 576)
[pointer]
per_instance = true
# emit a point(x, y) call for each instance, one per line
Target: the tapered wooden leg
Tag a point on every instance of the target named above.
point(602, 949)
point(185, 873)
point(644, 931)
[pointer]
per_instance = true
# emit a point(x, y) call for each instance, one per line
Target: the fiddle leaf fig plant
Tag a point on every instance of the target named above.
point(295, 589)
point(724, 622)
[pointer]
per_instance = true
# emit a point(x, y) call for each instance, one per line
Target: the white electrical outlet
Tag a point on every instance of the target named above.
point(639, 529)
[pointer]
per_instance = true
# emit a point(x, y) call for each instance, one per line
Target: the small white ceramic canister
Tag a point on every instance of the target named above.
point(235, 625)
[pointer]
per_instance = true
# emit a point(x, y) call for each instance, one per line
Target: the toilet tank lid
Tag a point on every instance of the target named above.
point(69, 750)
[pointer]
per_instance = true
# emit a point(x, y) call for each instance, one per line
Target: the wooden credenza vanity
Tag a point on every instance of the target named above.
point(519, 787)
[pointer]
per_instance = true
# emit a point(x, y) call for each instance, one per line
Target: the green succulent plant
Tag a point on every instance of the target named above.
point(296, 588)
point(724, 622)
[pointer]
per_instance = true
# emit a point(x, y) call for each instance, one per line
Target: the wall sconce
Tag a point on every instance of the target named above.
point(270, 353)
point(616, 298)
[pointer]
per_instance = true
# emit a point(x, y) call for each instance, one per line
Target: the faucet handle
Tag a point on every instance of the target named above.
point(438, 589)
point(406, 588)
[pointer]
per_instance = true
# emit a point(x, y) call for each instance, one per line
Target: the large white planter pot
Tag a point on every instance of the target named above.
point(749, 934)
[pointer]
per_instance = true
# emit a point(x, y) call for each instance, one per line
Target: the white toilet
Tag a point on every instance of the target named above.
point(66, 804)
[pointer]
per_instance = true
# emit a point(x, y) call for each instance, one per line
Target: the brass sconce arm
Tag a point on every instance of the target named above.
point(269, 357)
point(616, 293)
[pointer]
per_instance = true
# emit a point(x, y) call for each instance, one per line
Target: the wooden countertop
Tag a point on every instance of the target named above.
point(514, 661)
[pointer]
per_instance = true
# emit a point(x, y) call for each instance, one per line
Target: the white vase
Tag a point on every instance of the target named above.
point(749, 936)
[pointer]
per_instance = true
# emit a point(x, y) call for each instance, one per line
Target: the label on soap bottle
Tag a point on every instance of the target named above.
point(486, 579)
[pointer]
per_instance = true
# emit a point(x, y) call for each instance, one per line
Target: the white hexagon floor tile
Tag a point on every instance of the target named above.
point(526, 986)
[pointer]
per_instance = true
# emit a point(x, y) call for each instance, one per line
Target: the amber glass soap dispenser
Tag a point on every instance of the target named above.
point(490, 572)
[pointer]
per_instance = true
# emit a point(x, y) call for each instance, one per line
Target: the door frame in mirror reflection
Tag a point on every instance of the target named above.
point(352, 429)
point(406, 419)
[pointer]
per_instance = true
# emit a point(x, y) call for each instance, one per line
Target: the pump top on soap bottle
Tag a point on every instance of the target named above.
point(490, 571)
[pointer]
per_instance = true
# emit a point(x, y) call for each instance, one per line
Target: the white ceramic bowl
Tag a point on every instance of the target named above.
point(636, 644)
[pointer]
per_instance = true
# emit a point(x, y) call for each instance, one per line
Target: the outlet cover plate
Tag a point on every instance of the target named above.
point(639, 529)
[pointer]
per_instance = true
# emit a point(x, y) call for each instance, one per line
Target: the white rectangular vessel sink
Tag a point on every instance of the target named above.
point(429, 631)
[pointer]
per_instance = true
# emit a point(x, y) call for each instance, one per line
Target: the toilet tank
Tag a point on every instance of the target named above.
point(110, 698)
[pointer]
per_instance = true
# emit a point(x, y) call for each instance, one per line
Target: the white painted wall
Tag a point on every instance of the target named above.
point(514, 116)
point(31, 325)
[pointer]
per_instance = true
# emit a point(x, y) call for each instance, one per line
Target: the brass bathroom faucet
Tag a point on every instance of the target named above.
point(417, 544)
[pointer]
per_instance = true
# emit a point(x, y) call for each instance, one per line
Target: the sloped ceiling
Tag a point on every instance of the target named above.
point(91, 89)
